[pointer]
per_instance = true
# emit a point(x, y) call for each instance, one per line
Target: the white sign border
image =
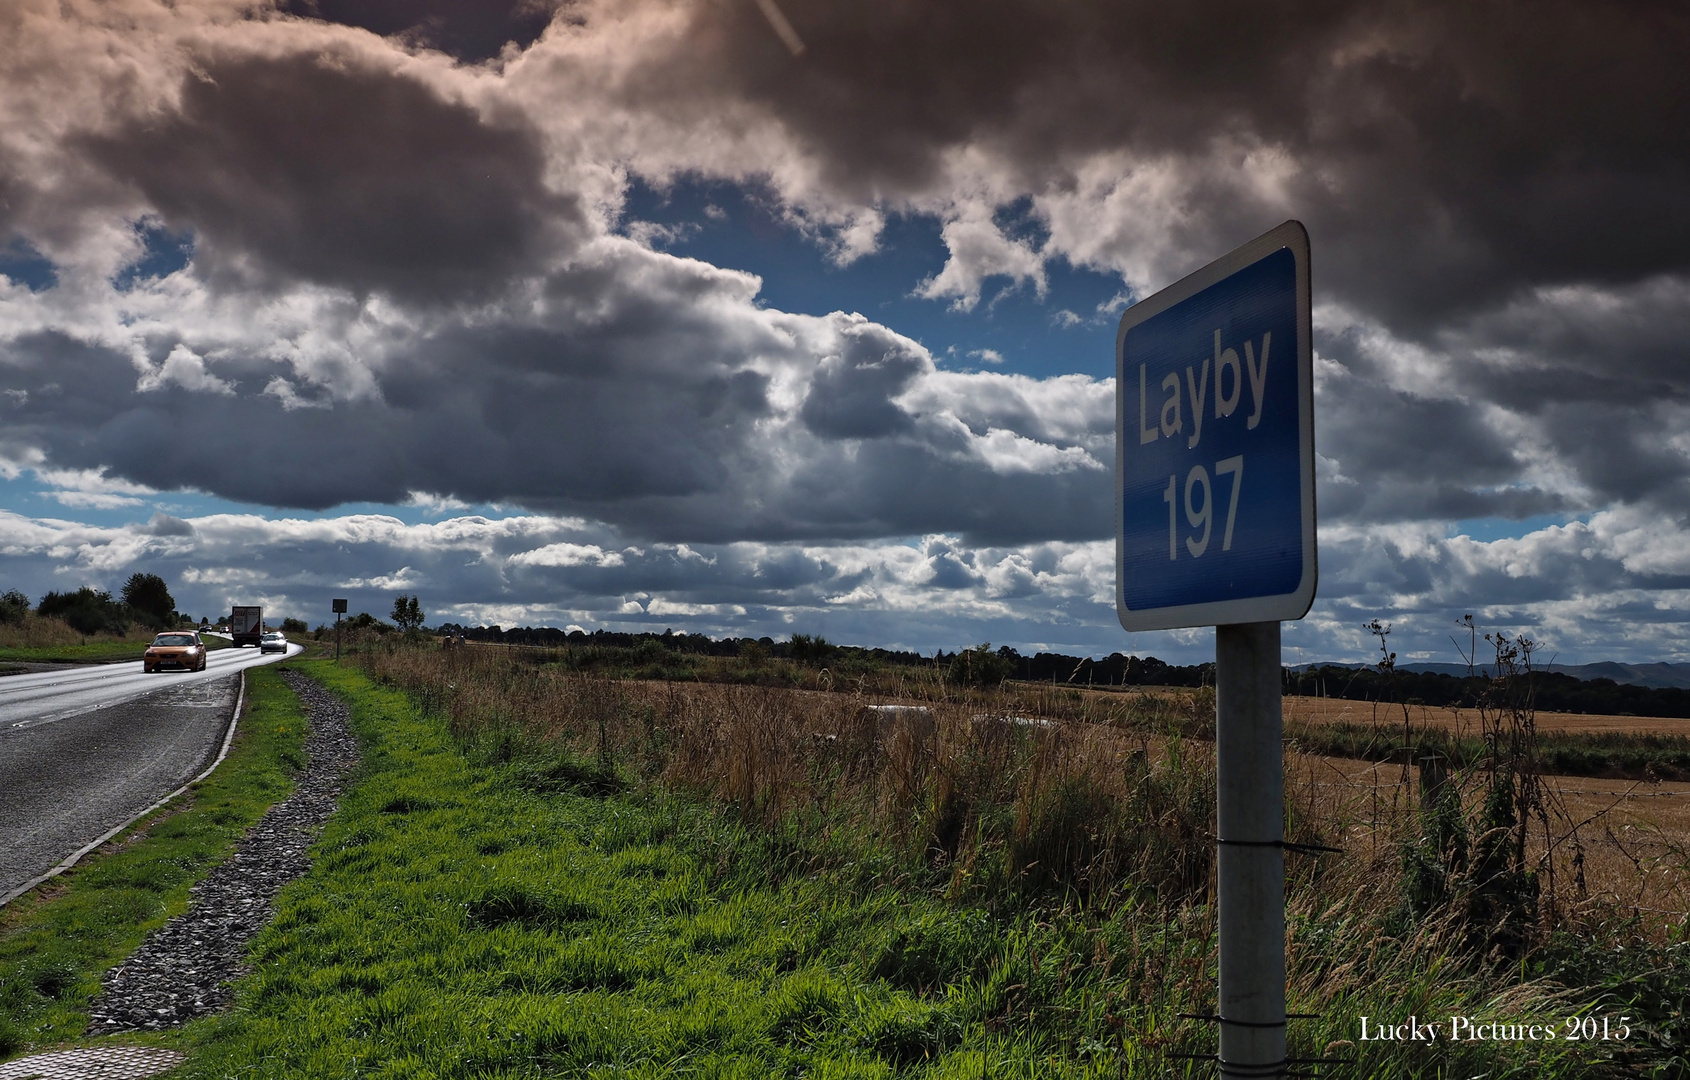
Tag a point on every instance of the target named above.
point(1283, 606)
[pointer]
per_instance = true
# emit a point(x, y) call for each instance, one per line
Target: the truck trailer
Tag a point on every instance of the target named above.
point(246, 626)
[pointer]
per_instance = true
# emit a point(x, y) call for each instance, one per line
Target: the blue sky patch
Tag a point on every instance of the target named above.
point(741, 228)
point(163, 253)
point(1486, 529)
point(28, 267)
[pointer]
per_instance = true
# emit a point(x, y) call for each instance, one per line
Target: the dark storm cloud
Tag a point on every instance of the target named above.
point(1388, 434)
point(1601, 344)
point(78, 402)
point(1589, 385)
point(673, 439)
point(1420, 499)
point(323, 168)
point(883, 91)
point(1444, 155)
point(165, 525)
point(632, 406)
point(1409, 457)
point(1625, 453)
point(895, 487)
point(851, 393)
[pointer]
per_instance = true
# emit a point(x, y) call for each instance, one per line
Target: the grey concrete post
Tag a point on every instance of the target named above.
point(1250, 864)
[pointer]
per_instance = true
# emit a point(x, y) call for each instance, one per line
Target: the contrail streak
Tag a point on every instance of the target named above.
point(782, 27)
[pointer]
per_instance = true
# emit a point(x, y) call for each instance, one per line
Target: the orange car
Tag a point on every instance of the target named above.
point(181, 649)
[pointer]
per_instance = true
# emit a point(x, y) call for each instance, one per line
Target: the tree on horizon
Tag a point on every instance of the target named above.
point(149, 598)
point(407, 613)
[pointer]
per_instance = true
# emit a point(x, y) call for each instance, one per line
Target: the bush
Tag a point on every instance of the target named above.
point(294, 626)
point(365, 621)
point(979, 666)
point(810, 649)
point(87, 611)
point(14, 605)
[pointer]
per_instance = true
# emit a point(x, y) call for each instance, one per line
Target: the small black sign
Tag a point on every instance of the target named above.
point(339, 607)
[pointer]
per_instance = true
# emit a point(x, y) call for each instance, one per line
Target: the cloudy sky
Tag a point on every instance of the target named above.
point(742, 318)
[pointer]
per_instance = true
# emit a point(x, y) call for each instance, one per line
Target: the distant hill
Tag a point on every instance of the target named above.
point(1657, 676)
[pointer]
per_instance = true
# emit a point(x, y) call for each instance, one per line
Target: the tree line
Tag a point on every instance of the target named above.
point(144, 599)
point(804, 648)
point(1550, 691)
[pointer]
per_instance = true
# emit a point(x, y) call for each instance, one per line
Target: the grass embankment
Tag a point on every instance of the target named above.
point(583, 878)
point(57, 941)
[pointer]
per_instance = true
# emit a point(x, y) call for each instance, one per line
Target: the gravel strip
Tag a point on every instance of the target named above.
point(184, 969)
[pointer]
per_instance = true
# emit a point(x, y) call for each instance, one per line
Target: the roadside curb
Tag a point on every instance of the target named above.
point(83, 852)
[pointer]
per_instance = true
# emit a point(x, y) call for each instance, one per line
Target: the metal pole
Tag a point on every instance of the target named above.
point(1250, 863)
point(337, 637)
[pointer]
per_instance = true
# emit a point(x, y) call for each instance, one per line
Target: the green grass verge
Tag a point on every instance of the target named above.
point(57, 941)
point(505, 911)
point(93, 652)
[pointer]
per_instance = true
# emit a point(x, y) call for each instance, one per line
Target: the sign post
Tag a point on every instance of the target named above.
point(339, 608)
point(1215, 526)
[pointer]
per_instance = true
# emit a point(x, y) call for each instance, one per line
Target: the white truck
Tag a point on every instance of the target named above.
point(246, 626)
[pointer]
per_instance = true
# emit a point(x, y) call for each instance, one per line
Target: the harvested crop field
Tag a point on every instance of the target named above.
point(1318, 710)
point(1634, 835)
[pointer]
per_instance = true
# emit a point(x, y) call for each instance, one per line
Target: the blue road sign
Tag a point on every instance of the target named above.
point(1214, 443)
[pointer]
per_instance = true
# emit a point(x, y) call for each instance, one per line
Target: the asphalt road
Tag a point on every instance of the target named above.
point(84, 749)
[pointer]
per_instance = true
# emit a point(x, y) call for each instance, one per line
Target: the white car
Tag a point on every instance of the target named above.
point(273, 641)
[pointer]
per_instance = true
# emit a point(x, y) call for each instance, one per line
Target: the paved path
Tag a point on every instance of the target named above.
point(42, 697)
point(83, 751)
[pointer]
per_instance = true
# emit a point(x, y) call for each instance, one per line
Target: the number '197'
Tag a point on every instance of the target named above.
point(1200, 508)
